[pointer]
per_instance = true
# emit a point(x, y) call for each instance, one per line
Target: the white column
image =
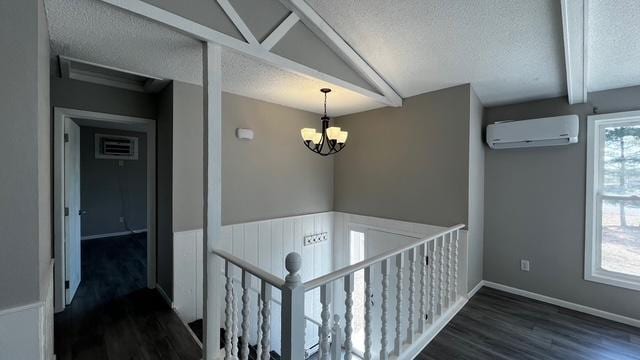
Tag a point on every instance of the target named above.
point(212, 72)
point(455, 265)
point(433, 273)
point(450, 271)
point(336, 342)
point(443, 292)
point(292, 310)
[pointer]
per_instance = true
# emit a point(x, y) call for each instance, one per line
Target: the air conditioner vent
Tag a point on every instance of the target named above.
point(116, 147)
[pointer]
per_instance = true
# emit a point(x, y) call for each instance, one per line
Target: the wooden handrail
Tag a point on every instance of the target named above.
point(250, 268)
point(340, 273)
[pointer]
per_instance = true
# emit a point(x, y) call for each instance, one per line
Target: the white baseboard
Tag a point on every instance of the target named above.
point(417, 346)
point(475, 289)
point(565, 304)
point(119, 233)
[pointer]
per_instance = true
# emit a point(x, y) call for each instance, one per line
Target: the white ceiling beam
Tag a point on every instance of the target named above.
point(279, 32)
point(323, 30)
point(237, 21)
point(256, 51)
point(575, 30)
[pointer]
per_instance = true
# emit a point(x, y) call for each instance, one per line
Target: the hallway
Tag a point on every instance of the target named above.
point(114, 315)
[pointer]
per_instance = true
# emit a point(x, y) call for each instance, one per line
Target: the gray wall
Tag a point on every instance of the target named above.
point(82, 95)
point(476, 192)
point(409, 163)
point(535, 209)
point(188, 161)
point(273, 175)
point(25, 132)
point(109, 191)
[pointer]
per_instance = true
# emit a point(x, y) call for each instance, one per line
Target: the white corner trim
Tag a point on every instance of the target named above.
point(476, 288)
point(120, 233)
point(565, 304)
point(165, 296)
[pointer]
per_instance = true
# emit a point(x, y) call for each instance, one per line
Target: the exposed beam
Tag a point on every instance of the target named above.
point(575, 30)
point(212, 84)
point(256, 51)
point(323, 30)
point(279, 32)
point(237, 21)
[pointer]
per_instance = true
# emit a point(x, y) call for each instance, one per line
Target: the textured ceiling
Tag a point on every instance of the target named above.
point(94, 31)
point(614, 44)
point(508, 50)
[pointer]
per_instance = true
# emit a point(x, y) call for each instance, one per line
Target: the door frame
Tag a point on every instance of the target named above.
point(147, 126)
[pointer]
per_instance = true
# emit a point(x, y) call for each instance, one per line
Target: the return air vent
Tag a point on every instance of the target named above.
point(116, 147)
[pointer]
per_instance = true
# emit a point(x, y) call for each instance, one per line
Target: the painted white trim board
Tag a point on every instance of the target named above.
point(565, 304)
point(120, 233)
point(476, 289)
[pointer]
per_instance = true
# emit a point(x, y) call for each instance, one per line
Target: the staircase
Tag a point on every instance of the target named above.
point(410, 293)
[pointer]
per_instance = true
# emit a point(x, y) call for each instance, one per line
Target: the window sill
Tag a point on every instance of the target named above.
point(614, 279)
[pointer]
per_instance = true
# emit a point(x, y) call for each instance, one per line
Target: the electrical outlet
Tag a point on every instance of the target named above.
point(121, 219)
point(524, 265)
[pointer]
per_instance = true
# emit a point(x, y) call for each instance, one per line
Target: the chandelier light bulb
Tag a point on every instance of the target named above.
point(307, 134)
point(333, 132)
point(342, 137)
point(317, 138)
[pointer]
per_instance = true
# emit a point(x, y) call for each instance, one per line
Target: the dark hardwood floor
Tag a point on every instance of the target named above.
point(113, 315)
point(498, 325)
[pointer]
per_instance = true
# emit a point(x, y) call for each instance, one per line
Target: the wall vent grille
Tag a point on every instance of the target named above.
point(116, 147)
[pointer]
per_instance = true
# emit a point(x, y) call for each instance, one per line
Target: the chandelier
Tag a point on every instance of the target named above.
point(328, 142)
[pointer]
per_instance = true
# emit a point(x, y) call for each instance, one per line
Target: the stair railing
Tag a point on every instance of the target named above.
point(438, 291)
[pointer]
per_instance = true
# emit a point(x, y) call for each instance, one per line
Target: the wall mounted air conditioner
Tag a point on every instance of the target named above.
point(551, 131)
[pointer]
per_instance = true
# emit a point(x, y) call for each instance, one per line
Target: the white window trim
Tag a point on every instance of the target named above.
point(592, 257)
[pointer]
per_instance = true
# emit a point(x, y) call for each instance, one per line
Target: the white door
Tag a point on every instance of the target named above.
point(72, 203)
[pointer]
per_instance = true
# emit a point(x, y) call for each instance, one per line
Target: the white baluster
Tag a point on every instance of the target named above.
point(442, 294)
point(234, 338)
point(292, 310)
point(424, 252)
point(348, 316)
point(433, 273)
point(455, 265)
point(336, 341)
point(368, 298)
point(266, 320)
point(450, 271)
point(384, 270)
point(246, 285)
point(228, 335)
point(412, 291)
point(259, 330)
point(325, 315)
point(399, 286)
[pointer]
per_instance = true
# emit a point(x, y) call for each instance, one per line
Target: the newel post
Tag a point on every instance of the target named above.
point(293, 310)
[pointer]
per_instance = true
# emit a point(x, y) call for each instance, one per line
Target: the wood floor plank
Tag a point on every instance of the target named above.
point(114, 316)
point(499, 325)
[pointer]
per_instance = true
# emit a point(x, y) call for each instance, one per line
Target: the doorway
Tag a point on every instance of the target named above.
point(67, 200)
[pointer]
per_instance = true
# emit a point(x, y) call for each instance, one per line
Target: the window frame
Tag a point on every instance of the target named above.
point(593, 270)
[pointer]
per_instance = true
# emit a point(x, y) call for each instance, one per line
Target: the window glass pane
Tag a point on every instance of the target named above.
point(621, 160)
point(621, 236)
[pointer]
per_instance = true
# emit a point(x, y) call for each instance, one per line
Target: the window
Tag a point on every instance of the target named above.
point(612, 252)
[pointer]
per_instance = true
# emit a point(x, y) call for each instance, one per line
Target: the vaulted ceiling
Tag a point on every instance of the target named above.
point(370, 52)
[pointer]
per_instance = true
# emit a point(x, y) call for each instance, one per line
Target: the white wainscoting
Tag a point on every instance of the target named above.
point(26, 332)
point(265, 243)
